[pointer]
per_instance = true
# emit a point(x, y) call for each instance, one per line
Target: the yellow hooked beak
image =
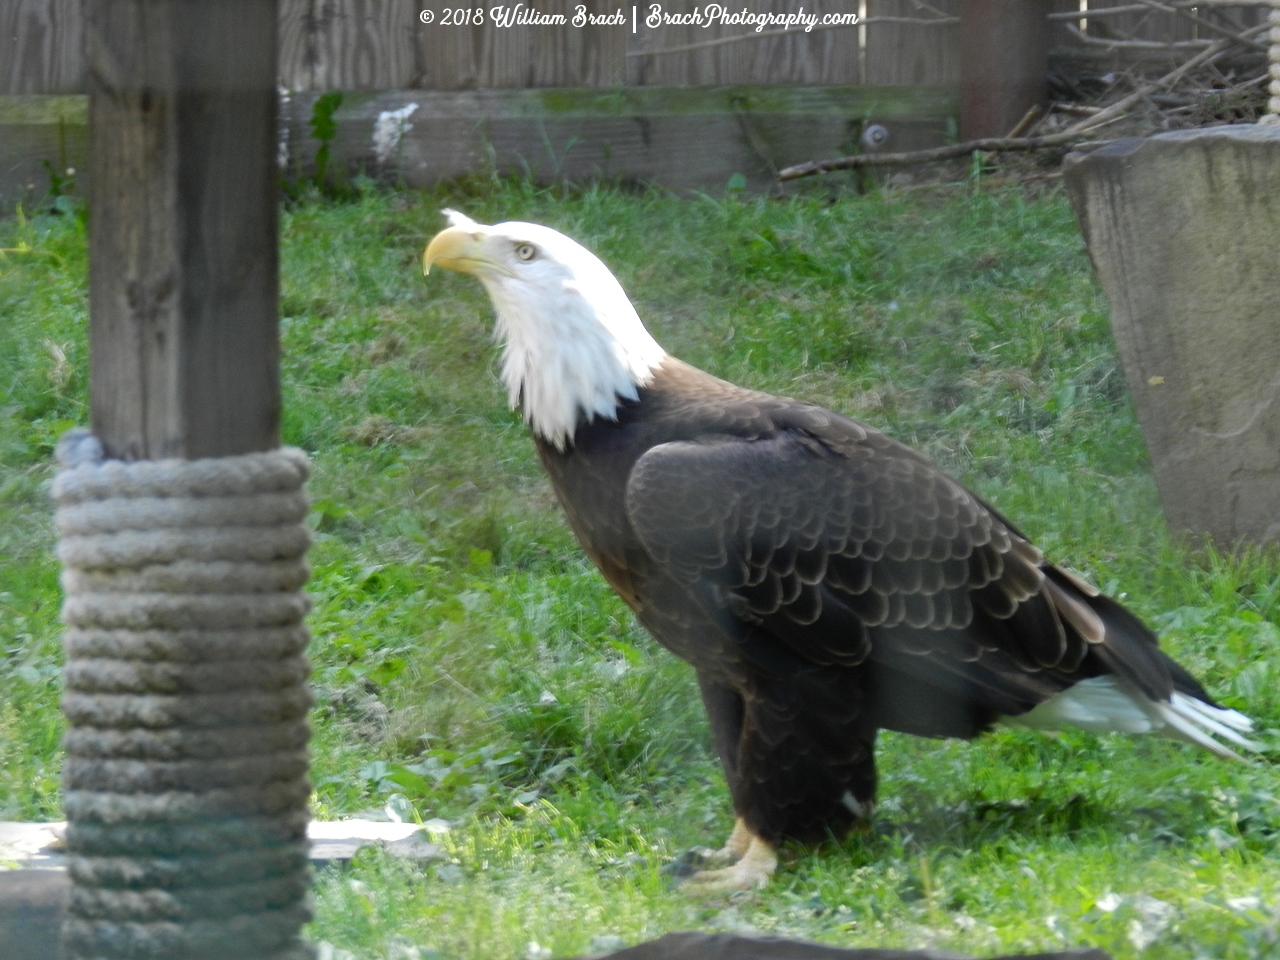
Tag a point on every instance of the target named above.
point(454, 249)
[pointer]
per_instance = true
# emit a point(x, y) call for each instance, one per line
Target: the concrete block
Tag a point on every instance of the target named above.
point(1184, 232)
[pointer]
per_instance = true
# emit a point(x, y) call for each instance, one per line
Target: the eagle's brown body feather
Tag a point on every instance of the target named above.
point(826, 582)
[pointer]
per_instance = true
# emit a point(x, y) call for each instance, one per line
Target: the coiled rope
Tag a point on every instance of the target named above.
point(1274, 57)
point(185, 780)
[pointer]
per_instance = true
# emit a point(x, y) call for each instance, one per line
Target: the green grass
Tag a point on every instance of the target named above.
point(471, 669)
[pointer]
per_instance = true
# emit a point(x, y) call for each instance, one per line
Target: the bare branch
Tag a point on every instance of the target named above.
point(1092, 14)
point(1136, 44)
point(1173, 76)
point(921, 5)
point(1097, 13)
point(1074, 134)
point(949, 152)
point(1221, 4)
point(1204, 24)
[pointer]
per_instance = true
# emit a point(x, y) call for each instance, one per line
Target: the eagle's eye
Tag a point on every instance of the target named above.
point(526, 251)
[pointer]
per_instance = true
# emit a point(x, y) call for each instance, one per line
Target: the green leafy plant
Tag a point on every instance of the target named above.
point(324, 128)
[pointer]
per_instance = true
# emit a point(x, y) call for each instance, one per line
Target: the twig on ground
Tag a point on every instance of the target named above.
point(1079, 109)
point(1029, 121)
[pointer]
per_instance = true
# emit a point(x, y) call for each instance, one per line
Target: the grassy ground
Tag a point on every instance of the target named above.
point(473, 671)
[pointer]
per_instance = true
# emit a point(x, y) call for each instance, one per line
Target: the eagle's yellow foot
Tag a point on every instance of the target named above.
point(751, 872)
point(733, 850)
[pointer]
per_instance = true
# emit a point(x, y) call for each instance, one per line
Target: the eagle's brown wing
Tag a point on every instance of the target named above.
point(835, 544)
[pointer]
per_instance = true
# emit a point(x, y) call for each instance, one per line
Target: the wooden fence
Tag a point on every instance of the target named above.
point(520, 96)
point(384, 45)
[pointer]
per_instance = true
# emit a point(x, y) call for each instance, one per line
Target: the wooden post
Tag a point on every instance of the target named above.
point(183, 271)
point(1004, 63)
point(185, 686)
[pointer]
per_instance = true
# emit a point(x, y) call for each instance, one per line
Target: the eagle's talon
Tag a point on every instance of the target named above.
point(751, 872)
point(724, 857)
point(686, 864)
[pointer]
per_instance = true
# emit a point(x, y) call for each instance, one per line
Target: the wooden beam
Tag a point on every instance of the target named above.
point(183, 276)
point(681, 138)
point(1004, 63)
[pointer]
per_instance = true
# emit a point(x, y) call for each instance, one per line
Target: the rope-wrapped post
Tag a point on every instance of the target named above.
point(1273, 105)
point(185, 780)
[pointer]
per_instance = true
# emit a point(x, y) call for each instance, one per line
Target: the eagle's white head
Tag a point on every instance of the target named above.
point(573, 346)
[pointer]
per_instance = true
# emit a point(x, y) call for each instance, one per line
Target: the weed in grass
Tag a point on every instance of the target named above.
point(472, 669)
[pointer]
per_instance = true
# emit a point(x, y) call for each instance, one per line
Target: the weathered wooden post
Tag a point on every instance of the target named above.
point(1183, 229)
point(1004, 64)
point(180, 521)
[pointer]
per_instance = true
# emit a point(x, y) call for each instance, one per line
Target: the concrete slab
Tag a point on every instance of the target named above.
point(37, 845)
point(34, 885)
point(336, 840)
point(40, 845)
point(1184, 231)
point(32, 906)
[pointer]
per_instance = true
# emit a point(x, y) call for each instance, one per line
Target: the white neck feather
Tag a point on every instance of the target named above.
point(573, 345)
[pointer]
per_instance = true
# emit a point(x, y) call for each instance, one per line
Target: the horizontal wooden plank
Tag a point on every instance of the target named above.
point(71, 108)
point(896, 102)
point(678, 137)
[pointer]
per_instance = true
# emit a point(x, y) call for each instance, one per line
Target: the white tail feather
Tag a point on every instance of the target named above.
point(1102, 704)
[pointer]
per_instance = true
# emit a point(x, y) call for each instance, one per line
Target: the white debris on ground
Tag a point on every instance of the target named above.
point(388, 130)
point(41, 844)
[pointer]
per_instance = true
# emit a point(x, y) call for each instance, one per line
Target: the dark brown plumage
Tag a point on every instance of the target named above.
point(826, 582)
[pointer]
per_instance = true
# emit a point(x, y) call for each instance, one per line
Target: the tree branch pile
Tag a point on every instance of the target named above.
point(1149, 93)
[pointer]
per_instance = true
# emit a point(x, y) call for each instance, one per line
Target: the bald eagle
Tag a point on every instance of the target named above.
point(824, 580)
